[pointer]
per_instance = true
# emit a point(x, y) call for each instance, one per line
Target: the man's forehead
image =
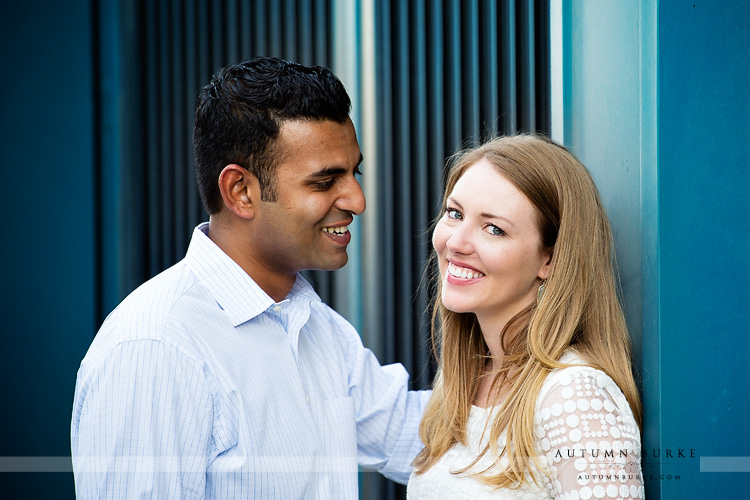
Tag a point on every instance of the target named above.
point(291, 125)
point(318, 137)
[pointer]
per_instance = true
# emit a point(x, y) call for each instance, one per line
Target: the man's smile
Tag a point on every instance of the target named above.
point(336, 230)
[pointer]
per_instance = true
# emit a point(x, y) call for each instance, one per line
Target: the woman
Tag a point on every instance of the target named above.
point(535, 396)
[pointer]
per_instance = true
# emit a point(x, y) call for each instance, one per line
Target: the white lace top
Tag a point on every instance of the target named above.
point(587, 442)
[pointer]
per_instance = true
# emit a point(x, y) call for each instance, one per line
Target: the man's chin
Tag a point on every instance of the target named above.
point(333, 263)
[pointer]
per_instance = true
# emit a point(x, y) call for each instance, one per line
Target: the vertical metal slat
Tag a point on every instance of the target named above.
point(507, 64)
point(260, 28)
point(216, 34)
point(179, 145)
point(454, 124)
point(193, 214)
point(490, 75)
point(246, 28)
point(402, 169)
point(275, 39)
point(385, 195)
point(322, 52)
point(470, 72)
point(290, 50)
point(151, 138)
point(305, 32)
point(421, 173)
point(525, 52)
point(231, 32)
point(436, 90)
point(542, 72)
point(164, 191)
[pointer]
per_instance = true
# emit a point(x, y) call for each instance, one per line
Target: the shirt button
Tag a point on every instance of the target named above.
point(277, 308)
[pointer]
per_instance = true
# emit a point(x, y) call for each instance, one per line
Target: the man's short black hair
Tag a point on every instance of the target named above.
point(239, 114)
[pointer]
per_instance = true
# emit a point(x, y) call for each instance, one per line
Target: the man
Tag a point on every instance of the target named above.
point(225, 376)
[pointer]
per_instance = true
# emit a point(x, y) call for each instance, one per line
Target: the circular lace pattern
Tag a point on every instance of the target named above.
point(587, 441)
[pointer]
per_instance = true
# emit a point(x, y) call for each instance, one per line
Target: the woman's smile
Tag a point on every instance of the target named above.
point(463, 273)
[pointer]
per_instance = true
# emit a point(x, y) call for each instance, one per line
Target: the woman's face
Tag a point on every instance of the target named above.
point(489, 247)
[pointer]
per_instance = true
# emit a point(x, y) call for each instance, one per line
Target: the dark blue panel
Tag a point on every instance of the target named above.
point(704, 180)
point(46, 153)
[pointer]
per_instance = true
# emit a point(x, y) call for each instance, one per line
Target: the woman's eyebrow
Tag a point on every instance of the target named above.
point(500, 217)
point(485, 215)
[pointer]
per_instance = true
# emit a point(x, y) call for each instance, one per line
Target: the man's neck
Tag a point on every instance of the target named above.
point(239, 250)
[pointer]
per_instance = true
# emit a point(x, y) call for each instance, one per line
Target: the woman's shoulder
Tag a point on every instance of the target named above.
point(584, 425)
point(581, 385)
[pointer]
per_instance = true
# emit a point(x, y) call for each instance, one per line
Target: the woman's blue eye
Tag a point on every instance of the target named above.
point(495, 230)
point(454, 214)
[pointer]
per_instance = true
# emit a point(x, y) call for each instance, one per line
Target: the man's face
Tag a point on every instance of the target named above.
point(318, 196)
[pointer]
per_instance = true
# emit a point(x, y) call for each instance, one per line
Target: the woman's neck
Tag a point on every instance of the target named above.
point(492, 331)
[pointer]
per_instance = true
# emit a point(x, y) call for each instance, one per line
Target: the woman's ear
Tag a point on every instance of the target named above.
point(546, 264)
point(240, 190)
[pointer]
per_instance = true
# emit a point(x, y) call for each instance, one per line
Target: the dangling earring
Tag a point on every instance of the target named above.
point(540, 293)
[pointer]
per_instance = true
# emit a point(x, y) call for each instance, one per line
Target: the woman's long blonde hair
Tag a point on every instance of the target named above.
point(580, 310)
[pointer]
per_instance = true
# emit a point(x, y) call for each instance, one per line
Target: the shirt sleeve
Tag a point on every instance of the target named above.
point(589, 438)
point(142, 424)
point(387, 414)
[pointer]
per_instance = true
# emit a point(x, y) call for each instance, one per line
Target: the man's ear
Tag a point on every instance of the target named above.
point(240, 190)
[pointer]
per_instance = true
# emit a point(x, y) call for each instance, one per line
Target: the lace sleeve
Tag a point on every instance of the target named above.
point(587, 433)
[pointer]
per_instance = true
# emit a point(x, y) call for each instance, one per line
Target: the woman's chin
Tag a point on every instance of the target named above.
point(457, 306)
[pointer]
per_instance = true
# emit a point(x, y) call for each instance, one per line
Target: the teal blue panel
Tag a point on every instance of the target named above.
point(602, 125)
point(650, 296)
point(704, 180)
point(46, 153)
point(659, 88)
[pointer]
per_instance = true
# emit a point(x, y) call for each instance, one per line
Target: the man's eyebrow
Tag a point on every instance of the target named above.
point(332, 170)
point(328, 172)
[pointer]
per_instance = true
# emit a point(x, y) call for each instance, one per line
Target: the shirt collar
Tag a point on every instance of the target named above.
point(234, 290)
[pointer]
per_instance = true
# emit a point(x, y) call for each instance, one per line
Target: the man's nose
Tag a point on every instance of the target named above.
point(352, 199)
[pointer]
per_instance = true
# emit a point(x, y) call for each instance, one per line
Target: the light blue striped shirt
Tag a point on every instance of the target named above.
point(199, 385)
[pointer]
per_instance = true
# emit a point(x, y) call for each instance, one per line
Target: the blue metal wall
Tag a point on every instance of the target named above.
point(448, 74)
point(704, 181)
point(656, 104)
point(152, 57)
point(47, 254)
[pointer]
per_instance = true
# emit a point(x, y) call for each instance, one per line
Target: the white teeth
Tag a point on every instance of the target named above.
point(461, 272)
point(336, 230)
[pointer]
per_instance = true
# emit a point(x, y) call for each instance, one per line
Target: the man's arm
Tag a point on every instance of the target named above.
point(388, 415)
point(142, 424)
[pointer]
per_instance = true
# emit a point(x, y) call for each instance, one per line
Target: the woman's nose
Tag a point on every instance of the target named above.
point(460, 240)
